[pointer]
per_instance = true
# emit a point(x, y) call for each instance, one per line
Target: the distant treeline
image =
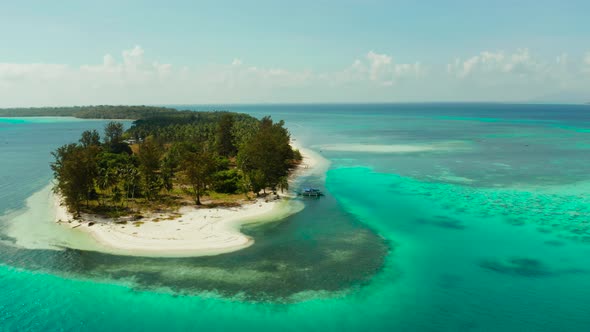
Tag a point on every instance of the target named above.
point(181, 126)
point(90, 112)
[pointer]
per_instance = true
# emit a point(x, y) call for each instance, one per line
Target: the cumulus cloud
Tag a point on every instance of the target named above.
point(520, 75)
point(134, 57)
point(133, 62)
point(108, 60)
point(520, 63)
point(380, 66)
point(19, 72)
point(379, 69)
point(384, 70)
point(586, 67)
point(562, 59)
point(134, 77)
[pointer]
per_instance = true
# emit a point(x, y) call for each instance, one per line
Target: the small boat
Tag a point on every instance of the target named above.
point(311, 192)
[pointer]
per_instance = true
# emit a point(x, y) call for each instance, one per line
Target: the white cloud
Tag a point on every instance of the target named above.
point(133, 77)
point(586, 67)
point(520, 75)
point(562, 59)
point(38, 71)
point(134, 57)
point(380, 66)
point(108, 60)
point(519, 63)
point(380, 69)
point(383, 69)
point(497, 68)
point(133, 63)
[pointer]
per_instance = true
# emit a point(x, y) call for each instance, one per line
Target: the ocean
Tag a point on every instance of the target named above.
point(437, 217)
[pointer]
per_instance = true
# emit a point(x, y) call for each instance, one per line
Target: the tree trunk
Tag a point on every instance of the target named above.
point(197, 194)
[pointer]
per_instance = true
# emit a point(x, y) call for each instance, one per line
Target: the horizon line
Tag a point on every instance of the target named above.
point(314, 103)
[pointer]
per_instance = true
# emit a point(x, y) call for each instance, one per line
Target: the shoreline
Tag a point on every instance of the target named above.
point(188, 232)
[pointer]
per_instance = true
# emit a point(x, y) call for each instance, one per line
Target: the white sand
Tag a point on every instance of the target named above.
point(192, 231)
point(313, 163)
point(35, 226)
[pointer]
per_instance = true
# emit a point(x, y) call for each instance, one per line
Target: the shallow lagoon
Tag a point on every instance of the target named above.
point(488, 237)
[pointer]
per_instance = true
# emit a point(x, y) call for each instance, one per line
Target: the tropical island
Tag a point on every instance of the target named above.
point(128, 112)
point(176, 183)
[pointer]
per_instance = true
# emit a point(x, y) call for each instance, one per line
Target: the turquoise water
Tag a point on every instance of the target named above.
point(491, 236)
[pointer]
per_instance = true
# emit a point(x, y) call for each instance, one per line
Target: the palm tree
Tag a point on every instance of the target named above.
point(130, 176)
point(106, 180)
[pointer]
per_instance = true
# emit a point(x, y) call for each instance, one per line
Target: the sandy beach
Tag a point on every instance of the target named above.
point(190, 231)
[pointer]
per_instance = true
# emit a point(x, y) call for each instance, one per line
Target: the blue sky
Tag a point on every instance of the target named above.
point(292, 51)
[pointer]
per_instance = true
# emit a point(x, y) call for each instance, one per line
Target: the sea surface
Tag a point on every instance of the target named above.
point(437, 217)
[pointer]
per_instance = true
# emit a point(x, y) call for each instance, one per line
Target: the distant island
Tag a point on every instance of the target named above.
point(176, 183)
point(91, 112)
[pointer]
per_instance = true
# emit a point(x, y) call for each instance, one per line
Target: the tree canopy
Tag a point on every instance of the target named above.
point(173, 155)
point(267, 156)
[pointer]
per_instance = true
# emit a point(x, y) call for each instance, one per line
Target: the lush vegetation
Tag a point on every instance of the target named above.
point(90, 112)
point(185, 126)
point(172, 159)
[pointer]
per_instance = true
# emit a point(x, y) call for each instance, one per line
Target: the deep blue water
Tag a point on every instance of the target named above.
point(486, 231)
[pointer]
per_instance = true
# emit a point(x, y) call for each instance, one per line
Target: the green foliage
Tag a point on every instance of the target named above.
point(113, 133)
point(89, 138)
point(90, 112)
point(181, 152)
point(170, 165)
point(222, 163)
point(224, 140)
point(150, 156)
point(297, 155)
point(120, 148)
point(75, 170)
point(257, 180)
point(227, 181)
point(267, 156)
point(283, 184)
point(130, 176)
point(118, 173)
point(194, 127)
point(197, 166)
